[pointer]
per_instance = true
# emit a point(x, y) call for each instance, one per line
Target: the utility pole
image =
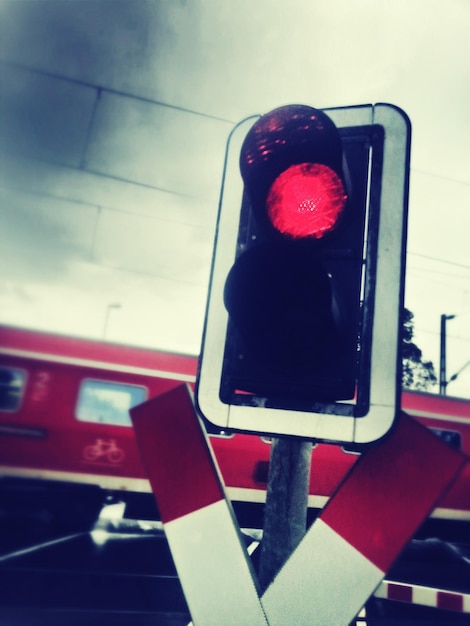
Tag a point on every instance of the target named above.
point(442, 369)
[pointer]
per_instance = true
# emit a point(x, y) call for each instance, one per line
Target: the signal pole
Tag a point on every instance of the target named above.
point(285, 515)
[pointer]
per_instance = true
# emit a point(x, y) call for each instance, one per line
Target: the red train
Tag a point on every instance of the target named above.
point(64, 425)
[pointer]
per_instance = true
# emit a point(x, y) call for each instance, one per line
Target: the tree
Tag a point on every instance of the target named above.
point(416, 373)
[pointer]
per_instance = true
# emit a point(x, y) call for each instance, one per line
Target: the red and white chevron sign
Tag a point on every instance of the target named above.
point(199, 524)
point(342, 558)
point(375, 512)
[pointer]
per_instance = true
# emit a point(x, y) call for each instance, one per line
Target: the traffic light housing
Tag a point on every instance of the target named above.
point(310, 233)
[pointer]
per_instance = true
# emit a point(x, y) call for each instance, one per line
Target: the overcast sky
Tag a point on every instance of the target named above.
point(113, 120)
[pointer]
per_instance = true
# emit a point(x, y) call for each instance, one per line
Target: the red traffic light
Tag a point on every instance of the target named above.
point(306, 200)
point(293, 303)
point(291, 163)
point(302, 321)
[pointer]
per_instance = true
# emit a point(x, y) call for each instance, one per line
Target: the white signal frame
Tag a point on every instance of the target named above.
point(385, 376)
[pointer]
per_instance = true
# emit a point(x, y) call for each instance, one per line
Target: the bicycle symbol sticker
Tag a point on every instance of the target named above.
point(104, 450)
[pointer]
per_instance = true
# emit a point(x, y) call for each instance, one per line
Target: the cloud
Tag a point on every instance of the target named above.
point(44, 117)
point(41, 236)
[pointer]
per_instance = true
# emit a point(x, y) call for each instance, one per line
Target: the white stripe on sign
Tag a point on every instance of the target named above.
point(376, 510)
point(337, 572)
point(212, 566)
point(198, 521)
point(424, 596)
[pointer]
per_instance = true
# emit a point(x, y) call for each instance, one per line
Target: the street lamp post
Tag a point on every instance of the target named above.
point(114, 305)
point(442, 369)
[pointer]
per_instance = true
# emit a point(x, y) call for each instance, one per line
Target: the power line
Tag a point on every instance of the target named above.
point(103, 88)
point(435, 332)
point(433, 258)
point(426, 270)
point(440, 177)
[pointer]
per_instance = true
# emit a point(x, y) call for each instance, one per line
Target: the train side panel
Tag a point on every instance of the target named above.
point(64, 417)
point(72, 423)
point(449, 419)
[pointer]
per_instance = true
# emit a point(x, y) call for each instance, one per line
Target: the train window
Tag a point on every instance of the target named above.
point(108, 403)
point(451, 437)
point(12, 385)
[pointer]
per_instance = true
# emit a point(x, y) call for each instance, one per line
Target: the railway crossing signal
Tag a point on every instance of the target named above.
point(342, 558)
point(303, 319)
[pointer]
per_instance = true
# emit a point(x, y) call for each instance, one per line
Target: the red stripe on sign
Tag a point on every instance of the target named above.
point(176, 454)
point(401, 593)
point(390, 491)
point(449, 601)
